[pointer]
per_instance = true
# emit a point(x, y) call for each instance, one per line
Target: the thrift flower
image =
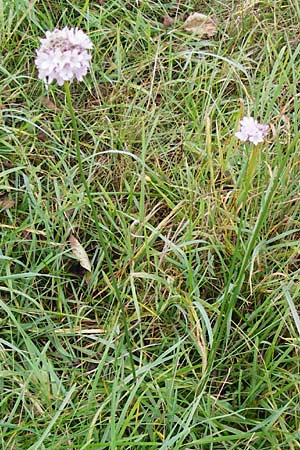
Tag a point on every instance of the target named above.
point(251, 130)
point(63, 55)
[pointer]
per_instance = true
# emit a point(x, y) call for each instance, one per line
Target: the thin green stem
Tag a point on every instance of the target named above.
point(252, 164)
point(99, 231)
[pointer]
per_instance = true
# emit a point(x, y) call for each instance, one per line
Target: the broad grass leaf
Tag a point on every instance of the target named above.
point(80, 254)
point(200, 24)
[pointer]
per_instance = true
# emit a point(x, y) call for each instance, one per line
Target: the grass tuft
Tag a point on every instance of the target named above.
point(186, 333)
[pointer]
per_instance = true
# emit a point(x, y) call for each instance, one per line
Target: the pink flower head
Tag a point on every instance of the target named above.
point(63, 55)
point(250, 130)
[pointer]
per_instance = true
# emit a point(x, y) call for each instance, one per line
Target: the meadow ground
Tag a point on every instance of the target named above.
point(185, 334)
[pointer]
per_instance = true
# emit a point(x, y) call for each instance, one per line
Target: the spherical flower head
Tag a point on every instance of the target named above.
point(63, 55)
point(252, 131)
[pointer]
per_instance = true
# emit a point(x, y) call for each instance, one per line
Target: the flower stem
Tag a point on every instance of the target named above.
point(99, 231)
point(252, 164)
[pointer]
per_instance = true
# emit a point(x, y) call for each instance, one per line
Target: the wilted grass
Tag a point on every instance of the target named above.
point(206, 261)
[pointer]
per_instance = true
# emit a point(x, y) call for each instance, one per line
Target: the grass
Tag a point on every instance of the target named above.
point(201, 233)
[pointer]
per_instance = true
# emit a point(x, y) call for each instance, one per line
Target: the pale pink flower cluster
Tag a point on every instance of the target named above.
point(63, 55)
point(252, 131)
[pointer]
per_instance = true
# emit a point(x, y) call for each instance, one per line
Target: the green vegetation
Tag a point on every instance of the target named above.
point(203, 247)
